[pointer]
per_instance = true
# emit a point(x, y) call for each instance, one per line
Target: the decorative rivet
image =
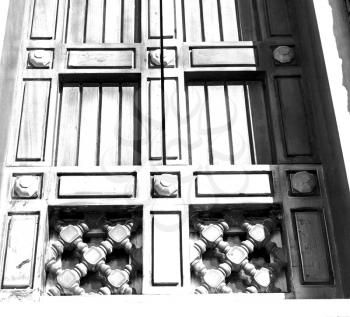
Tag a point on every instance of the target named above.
point(284, 54)
point(155, 57)
point(27, 186)
point(39, 58)
point(303, 182)
point(165, 185)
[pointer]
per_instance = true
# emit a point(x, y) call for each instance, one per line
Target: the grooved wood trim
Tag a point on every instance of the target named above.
point(101, 59)
point(19, 264)
point(74, 186)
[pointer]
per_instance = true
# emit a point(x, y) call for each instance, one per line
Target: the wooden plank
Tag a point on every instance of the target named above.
point(127, 140)
point(247, 25)
point(295, 129)
point(44, 20)
point(93, 186)
point(69, 126)
point(76, 22)
point(109, 137)
point(216, 57)
point(219, 130)
point(129, 21)
point(101, 59)
point(154, 19)
point(166, 250)
point(278, 17)
point(19, 264)
point(193, 21)
point(155, 120)
point(314, 252)
point(88, 136)
point(32, 132)
point(197, 116)
point(168, 18)
point(232, 185)
point(211, 21)
point(229, 20)
point(172, 116)
point(113, 21)
point(260, 125)
point(94, 21)
point(239, 124)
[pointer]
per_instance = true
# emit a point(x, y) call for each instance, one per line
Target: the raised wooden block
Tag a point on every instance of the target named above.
point(101, 59)
point(313, 248)
point(229, 185)
point(220, 57)
point(20, 251)
point(166, 250)
point(96, 186)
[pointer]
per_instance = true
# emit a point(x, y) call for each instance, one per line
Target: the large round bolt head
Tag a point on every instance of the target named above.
point(284, 54)
point(303, 182)
point(40, 58)
point(27, 186)
point(155, 57)
point(165, 185)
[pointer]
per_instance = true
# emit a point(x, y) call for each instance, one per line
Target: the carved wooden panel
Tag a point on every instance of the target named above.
point(99, 21)
point(169, 18)
point(97, 125)
point(20, 260)
point(313, 247)
point(32, 130)
point(44, 20)
point(278, 17)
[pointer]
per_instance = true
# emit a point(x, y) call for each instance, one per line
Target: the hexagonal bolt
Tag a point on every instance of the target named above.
point(284, 54)
point(40, 58)
point(165, 185)
point(303, 182)
point(27, 186)
point(155, 57)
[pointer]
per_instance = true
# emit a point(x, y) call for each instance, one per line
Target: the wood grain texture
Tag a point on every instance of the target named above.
point(67, 154)
point(209, 185)
point(101, 59)
point(313, 247)
point(96, 186)
point(167, 256)
point(44, 19)
point(211, 57)
point(19, 265)
point(294, 118)
point(32, 133)
point(76, 22)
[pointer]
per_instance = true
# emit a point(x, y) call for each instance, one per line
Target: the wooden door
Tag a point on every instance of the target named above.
point(164, 158)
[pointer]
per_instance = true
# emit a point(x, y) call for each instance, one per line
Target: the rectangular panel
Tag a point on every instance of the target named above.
point(239, 124)
point(229, 20)
point(313, 248)
point(127, 139)
point(113, 21)
point(193, 21)
point(278, 17)
point(88, 134)
point(215, 57)
point(32, 133)
point(155, 120)
point(168, 18)
point(75, 186)
point(219, 130)
point(76, 21)
point(101, 59)
point(198, 122)
point(94, 21)
point(69, 126)
point(211, 21)
point(167, 257)
point(294, 118)
point(235, 184)
point(109, 146)
point(20, 253)
point(129, 21)
point(247, 23)
point(44, 19)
